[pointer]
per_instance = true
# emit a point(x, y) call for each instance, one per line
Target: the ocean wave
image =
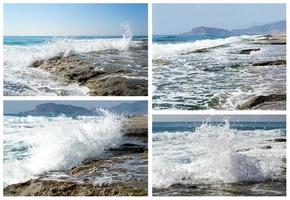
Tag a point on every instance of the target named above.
point(217, 154)
point(59, 143)
point(161, 51)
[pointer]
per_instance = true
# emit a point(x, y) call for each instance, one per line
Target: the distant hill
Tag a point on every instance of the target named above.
point(52, 109)
point(270, 28)
point(202, 30)
point(136, 108)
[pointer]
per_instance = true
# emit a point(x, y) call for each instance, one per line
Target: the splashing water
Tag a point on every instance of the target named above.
point(34, 145)
point(127, 31)
point(217, 154)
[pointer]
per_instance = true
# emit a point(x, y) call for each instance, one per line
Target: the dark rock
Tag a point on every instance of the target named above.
point(205, 50)
point(117, 86)
point(109, 81)
point(136, 126)
point(280, 140)
point(37, 63)
point(273, 62)
point(258, 100)
point(131, 148)
point(39, 187)
point(266, 147)
point(248, 51)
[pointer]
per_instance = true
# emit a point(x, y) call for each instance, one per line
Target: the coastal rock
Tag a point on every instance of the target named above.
point(136, 126)
point(248, 51)
point(272, 62)
point(39, 187)
point(117, 86)
point(102, 81)
point(271, 40)
point(280, 140)
point(257, 101)
point(205, 50)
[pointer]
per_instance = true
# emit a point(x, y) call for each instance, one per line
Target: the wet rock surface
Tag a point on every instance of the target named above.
point(273, 101)
point(266, 188)
point(272, 62)
point(105, 73)
point(271, 40)
point(248, 51)
point(136, 126)
point(119, 171)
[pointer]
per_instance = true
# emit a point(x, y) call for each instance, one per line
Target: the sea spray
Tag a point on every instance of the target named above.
point(217, 154)
point(59, 143)
point(22, 79)
point(173, 51)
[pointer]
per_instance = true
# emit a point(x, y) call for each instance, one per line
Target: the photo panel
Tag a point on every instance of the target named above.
point(219, 155)
point(75, 148)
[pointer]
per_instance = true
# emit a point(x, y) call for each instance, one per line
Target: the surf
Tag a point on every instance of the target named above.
point(35, 145)
point(217, 154)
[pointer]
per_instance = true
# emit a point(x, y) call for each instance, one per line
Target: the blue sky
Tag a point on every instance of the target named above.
point(73, 19)
point(219, 118)
point(12, 107)
point(179, 18)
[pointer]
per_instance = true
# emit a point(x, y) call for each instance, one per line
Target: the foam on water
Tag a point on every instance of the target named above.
point(219, 78)
point(35, 145)
point(167, 50)
point(217, 154)
point(21, 79)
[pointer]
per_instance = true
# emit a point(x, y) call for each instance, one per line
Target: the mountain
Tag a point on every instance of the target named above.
point(52, 109)
point(270, 28)
point(202, 30)
point(136, 108)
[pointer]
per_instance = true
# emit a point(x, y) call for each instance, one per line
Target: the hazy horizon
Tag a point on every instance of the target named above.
point(14, 106)
point(167, 17)
point(104, 19)
point(219, 118)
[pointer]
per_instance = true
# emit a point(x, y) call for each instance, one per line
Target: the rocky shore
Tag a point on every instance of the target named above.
point(265, 102)
point(120, 171)
point(105, 73)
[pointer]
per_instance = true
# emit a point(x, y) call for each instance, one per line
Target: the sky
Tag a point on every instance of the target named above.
point(180, 18)
point(12, 107)
point(73, 19)
point(219, 118)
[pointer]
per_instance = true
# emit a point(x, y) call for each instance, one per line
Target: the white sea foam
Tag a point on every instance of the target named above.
point(167, 50)
point(217, 154)
point(21, 79)
point(34, 145)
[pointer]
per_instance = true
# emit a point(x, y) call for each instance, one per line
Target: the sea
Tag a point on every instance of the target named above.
point(219, 158)
point(20, 79)
point(48, 147)
point(218, 77)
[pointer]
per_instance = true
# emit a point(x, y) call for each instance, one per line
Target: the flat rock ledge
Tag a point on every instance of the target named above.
point(271, 62)
point(269, 102)
point(101, 82)
point(38, 187)
point(136, 126)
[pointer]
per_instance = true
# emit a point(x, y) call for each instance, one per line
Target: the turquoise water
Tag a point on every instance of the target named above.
point(210, 72)
point(31, 40)
point(191, 126)
point(217, 159)
point(165, 39)
point(20, 52)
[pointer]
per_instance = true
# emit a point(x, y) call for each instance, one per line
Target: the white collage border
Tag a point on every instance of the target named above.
point(149, 98)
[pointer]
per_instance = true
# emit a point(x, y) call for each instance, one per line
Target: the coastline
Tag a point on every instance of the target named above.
point(90, 177)
point(243, 63)
point(112, 80)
